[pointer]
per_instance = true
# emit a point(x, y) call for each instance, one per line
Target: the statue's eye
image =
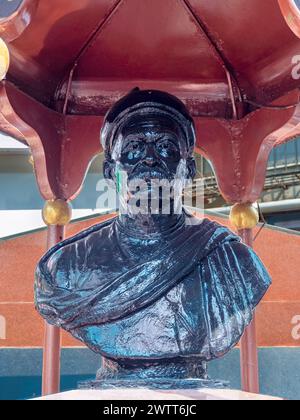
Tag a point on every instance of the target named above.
point(134, 145)
point(133, 150)
point(164, 144)
point(166, 148)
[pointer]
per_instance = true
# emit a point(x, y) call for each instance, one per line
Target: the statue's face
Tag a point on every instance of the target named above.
point(150, 148)
point(150, 164)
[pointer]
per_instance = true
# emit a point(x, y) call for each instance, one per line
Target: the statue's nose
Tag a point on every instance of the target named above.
point(150, 161)
point(150, 158)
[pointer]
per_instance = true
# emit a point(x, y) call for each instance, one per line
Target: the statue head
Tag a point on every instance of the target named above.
point(149, 135)
point(148, 138)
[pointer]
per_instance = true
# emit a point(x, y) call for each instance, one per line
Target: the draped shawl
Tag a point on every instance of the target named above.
point(90, 279)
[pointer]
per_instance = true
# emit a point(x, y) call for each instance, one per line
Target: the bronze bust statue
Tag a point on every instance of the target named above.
point(157, 295)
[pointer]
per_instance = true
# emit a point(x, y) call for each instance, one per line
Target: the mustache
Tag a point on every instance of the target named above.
point(147, 173)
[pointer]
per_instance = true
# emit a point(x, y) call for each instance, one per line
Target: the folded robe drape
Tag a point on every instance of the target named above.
point(73, 292)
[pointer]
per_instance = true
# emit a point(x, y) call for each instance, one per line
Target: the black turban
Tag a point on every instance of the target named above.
point(146, 102)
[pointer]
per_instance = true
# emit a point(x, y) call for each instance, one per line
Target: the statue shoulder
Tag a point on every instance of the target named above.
point(235, 264)
point(233, 281)
point(246, 258)
point(71, 254)
point(203, 224)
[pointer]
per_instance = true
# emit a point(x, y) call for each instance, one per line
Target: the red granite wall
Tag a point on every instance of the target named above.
point(20, 326)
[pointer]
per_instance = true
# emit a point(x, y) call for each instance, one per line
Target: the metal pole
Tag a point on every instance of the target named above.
point(248, 344)
point(51, 355)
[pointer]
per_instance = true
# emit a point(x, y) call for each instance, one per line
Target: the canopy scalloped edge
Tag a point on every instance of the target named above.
point(64, 145)
point(239, 149)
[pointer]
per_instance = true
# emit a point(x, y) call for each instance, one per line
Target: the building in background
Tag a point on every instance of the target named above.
point(280, 200)
point(20, 200)
point(21, 203)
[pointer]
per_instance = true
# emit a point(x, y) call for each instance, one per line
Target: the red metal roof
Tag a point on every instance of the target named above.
point(230, 61)
point(182, 46)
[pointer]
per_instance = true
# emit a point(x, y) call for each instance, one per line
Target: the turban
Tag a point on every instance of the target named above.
point(147, 103)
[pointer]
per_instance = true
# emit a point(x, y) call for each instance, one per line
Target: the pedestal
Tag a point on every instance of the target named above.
point(140, 394)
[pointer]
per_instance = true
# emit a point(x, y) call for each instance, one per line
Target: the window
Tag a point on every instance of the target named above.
point(272, 159)
point(290, 152)
point(280, 156)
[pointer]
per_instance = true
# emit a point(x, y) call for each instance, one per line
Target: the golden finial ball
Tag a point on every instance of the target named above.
point(4, 59)
point(57, 212)
point(244, 216)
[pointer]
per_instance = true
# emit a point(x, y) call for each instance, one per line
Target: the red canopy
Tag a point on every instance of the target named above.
point(70, 60)
point(235, 64)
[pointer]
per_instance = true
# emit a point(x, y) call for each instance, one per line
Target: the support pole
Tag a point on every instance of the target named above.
point(248, 344)
point(56, 214)
point(244, 217)
point(52, 338)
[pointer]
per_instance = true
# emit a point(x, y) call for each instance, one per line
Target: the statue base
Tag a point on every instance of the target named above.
point(154, 384)
point(163, 374)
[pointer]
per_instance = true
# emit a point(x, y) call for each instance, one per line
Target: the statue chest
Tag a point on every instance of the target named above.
point(175, 325)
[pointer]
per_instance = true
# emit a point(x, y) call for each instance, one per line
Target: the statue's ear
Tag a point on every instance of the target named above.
point(109, 169)
point(191, 168)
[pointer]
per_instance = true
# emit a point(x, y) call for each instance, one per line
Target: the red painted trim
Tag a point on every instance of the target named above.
point(62, 146)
